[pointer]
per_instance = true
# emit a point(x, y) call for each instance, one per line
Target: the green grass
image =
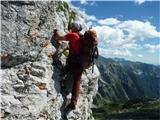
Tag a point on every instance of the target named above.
point(107, 108)
point(62, 7)
point(65, 7)
point(145, 106)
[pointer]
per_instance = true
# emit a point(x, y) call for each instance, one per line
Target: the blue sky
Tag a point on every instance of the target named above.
point(126, 29)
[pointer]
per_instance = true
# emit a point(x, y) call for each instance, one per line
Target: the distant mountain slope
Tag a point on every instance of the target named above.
point(122, 80)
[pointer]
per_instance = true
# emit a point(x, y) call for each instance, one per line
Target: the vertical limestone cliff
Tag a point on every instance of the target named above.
point(30, 82)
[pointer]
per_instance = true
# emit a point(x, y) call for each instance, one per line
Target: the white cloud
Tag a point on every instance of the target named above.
point(88, 2)
point(122, 53)
point(124, 36)
point(139, 1)
point(92, 3)
point(108, 21)
point(89, 23)
point(127, 32)
point(152, 48)
point(109, 36)
point(86, 16)
point(131, 46)
point(89, 17)
point(139, 55)
point(114, 52)
point(139, 30)
point(83, 1)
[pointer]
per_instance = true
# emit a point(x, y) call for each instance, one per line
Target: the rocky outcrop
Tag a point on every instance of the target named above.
point(30, 83)
point(26, 26)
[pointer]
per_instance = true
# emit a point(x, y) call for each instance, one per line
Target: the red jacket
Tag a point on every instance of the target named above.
point(74, 43)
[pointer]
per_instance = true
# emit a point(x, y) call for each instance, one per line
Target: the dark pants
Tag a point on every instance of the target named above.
point(75, 67)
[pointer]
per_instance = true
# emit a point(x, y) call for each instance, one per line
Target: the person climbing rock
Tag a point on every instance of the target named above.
point(73, 61)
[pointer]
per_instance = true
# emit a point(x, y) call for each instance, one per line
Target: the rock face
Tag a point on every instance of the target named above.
point(30, 83)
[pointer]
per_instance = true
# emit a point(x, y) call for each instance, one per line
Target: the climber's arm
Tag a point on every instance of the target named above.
point(68, 37)
point(57, 36)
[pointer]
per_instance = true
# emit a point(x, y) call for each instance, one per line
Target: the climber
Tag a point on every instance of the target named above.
point(73, 60)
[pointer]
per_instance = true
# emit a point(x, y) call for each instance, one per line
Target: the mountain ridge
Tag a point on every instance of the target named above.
point(126, 79)
point(125, 60)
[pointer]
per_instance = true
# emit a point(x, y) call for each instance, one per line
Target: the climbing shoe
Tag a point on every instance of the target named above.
point(71, 106)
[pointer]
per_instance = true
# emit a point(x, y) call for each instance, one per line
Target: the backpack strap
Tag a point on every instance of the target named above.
point(96, 53)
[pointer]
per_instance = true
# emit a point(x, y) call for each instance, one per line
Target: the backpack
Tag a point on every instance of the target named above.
point(89, 49)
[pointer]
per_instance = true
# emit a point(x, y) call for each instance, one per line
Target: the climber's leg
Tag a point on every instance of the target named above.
point(76, 86)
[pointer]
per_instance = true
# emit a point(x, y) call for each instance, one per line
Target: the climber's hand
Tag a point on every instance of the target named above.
point(57, 35)
point(55, 32)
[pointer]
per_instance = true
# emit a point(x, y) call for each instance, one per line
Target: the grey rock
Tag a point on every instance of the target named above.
point(30, 84)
